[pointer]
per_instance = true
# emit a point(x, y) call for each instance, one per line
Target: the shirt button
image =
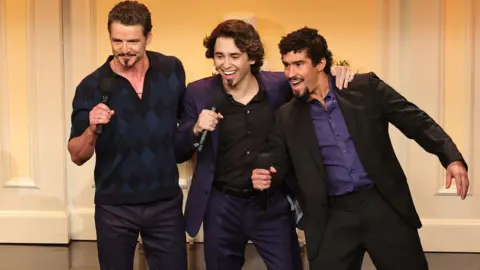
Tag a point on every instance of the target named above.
point(338, 135)
point(352, 171)
point(248, 152)
point(248, 111)
point(249, 132)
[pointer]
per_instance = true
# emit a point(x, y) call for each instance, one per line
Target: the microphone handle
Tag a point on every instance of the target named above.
point(204, 135)
point(264, 201)
point(104, 101)
point(264, 162)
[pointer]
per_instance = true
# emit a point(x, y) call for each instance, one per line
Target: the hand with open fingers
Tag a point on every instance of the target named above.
point(207, 120)
point(262, 179)
point(456, 170)
point(343, 75)
point(100, 114)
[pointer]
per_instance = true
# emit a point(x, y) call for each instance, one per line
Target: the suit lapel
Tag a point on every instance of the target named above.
point(306, 134)
point(346, 103)
point(272, 95)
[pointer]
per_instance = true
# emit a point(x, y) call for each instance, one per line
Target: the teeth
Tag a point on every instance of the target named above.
point(229, 72)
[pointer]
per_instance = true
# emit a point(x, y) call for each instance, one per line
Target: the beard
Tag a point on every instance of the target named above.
point(305, 96)
point(130, 62)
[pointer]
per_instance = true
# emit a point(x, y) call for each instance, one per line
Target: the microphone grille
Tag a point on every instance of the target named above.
point(106, 86)
point(218, 98)
point(263, 161)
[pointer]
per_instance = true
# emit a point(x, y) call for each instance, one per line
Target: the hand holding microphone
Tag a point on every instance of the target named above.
point(262, 174)
point(101, 114)
point(207, 120)
point(261, 178)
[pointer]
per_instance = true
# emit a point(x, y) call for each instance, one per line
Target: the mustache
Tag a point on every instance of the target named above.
point(125, 54)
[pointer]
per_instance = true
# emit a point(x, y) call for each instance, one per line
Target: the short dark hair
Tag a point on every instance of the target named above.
point(308, 40)
point(244, 35)
point(131, 13)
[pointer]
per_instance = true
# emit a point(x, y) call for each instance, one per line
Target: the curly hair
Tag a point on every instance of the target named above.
point(244, 35)
point(308, 40)
point(131, 13)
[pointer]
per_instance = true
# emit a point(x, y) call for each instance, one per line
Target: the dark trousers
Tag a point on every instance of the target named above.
point(231, 221)
point(363, 221)
point(162, 229)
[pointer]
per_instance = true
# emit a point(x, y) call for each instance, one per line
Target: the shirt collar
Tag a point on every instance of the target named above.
point(261, 89)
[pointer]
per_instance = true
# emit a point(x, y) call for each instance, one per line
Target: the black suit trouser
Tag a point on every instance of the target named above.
point(364, 221)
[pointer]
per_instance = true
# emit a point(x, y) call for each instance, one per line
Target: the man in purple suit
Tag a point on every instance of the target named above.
point(245, 100)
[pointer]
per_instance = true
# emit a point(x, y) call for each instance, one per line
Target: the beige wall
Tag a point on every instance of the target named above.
point(427, 50)
point(32, 134)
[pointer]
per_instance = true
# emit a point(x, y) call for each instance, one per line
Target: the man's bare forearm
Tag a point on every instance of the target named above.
point(81, 148)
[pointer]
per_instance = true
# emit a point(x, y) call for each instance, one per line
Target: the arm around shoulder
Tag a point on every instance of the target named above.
point(185, 138)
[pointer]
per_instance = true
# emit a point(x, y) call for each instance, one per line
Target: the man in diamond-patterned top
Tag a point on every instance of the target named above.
point(132, 134)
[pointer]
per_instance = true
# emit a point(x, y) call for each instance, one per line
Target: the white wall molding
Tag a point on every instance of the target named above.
point(21, 182)
point(468, 10)
point(457, 235)
point(80, 47)
point(36, 209)
point(5, 162)
point(475, 159)
point(34, 227)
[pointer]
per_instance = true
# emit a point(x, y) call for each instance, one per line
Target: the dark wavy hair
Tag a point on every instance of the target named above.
point(131, 13)
point(244, 35)
point(308, 40)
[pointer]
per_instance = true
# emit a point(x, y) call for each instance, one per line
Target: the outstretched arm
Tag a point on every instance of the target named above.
point(419, 126)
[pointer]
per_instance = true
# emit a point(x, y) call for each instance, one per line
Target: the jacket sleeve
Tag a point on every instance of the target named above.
point(185, 139)
point(415, 123)
point(277, 147)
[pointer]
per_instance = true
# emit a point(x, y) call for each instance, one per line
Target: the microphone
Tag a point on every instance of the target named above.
point(264, 161)
point(204, 133)
point(106, 87)
point(217, 99)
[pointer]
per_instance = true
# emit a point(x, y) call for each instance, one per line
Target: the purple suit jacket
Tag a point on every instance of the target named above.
point(198, 96)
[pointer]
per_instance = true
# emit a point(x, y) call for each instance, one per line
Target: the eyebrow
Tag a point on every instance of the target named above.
point(232, 54)
point(294, 62)
point(128, 40)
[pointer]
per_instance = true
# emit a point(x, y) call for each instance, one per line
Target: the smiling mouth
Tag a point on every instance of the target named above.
point(229, 72)
point(296, 82)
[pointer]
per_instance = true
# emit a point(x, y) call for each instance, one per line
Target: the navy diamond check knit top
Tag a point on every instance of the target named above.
point(135, 161)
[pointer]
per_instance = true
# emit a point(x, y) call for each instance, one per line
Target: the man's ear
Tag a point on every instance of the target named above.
point(149, 38)
point(321, 66)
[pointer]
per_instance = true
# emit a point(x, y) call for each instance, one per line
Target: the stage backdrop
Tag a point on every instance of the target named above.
point(428, 50)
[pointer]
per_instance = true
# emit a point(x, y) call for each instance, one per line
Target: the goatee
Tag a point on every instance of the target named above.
point(305, 96)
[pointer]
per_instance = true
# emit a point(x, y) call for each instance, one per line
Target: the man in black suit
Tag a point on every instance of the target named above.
point(350, 185)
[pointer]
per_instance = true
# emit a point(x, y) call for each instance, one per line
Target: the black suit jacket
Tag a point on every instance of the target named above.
point(368, 106)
